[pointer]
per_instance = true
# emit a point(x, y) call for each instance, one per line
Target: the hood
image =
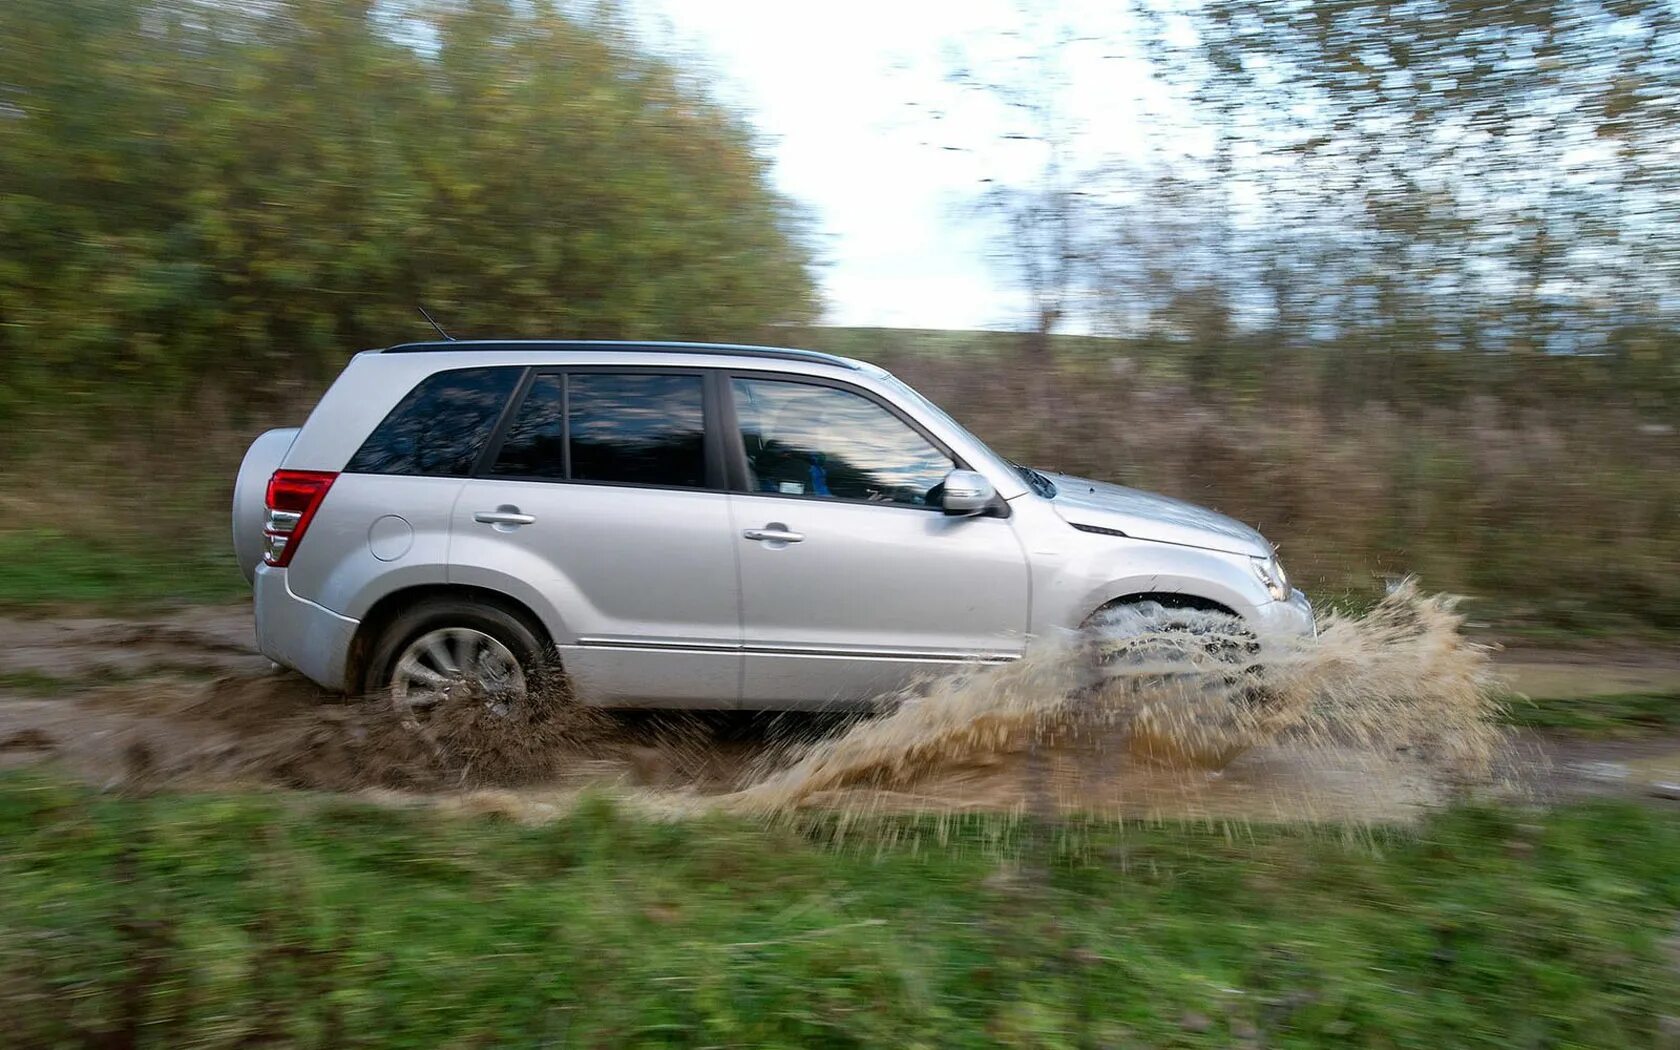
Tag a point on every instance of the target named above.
point(1146, 516)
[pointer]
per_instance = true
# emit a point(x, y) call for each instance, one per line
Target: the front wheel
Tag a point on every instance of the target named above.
point(1179, 678)
point(443, 649)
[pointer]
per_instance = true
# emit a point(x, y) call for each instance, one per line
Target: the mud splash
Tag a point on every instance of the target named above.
point(1376, 717)
point(1377, 713)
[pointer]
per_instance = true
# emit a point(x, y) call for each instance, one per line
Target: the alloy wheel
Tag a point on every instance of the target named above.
point(449, 661)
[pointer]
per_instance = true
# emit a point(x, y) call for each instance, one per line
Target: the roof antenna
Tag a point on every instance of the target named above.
point(431, 321)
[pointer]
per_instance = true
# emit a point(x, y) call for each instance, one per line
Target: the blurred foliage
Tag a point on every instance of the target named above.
point(1538, 486)
point(214, 192)
point(1612, 714)
point(117, 572)
point(233, 921)
point(1435, 175)
point(1372, 179)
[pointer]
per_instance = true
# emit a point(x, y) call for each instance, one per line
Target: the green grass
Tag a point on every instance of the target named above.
point(223, 921)
point(1608, 715)
point(52, 568)
point(37, 683)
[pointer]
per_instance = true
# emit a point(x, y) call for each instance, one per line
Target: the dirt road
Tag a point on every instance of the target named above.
point(184, 701)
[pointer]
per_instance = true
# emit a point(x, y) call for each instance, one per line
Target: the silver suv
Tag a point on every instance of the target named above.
point(682, 525)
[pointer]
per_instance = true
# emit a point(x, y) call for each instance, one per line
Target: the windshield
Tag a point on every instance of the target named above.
point(1040, 484)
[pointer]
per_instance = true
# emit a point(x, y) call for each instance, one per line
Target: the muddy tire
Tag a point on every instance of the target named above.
point(1186, 675)
point(1151, 629)
point(445, 644)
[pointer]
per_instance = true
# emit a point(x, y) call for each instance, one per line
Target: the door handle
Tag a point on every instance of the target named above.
point(775, 532)
point(503, 515)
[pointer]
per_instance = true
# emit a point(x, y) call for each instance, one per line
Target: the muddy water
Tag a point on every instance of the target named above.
point(1377, 717)
point(1373, 718)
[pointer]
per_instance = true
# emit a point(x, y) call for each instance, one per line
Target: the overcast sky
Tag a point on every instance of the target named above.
point(829, 85)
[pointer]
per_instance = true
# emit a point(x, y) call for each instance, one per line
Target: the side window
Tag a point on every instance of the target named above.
point(535, 446)
point(642, 429)
point(631, 429)
point(440, 428)
point(806, 440)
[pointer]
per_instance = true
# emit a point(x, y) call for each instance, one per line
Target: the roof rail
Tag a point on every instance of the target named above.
point(722, 349)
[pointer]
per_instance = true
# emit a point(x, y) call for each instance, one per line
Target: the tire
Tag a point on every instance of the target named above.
point(456, 626)
point(1196, 709)
point(1126, 630)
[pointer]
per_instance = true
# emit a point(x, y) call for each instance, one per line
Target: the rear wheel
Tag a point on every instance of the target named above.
point(442, 649)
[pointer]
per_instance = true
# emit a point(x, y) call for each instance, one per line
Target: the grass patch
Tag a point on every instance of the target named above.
point(1608, 715)
point(296, 921)
point(48, 567)
point(37, 683)
point(42, 684)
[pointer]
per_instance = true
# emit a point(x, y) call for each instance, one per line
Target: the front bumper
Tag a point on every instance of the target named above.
point(295, 632)
point(1292, 618)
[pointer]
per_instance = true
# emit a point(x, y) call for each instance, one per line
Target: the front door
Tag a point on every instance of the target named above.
point(606, 497)
point(852, 578)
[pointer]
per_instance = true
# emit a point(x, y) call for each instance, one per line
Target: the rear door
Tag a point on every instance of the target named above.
point(606, 495)
point(852, 578)
point(385, 522)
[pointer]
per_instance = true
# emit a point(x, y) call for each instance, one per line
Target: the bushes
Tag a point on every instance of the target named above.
point(1549, 509)
point(238, 195)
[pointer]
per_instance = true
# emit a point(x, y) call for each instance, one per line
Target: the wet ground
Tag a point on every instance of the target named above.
point(183, 701)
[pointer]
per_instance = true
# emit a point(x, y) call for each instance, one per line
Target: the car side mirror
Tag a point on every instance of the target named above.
point(967, 492)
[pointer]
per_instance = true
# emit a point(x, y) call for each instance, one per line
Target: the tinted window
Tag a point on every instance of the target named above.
point(804, 440)
point(440, 428)
point(640, 429)
point(535, 446)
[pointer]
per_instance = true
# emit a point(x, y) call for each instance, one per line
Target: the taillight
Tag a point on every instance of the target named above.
point(293, 497)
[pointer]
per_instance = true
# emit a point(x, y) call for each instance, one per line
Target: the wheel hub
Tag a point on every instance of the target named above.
point(442, 664)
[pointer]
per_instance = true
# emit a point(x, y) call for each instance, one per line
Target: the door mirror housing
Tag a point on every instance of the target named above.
point(967, 492)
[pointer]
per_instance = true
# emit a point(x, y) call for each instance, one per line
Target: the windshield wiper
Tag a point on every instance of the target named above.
point(1035, 481)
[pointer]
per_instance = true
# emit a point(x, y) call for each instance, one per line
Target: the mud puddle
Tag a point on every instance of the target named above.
point(1379, 717)
point(204, 639)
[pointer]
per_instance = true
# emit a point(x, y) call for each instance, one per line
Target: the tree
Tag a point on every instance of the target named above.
point(1493, 179)
point(1038, 184)
point(213, 193)
point(1478, 176)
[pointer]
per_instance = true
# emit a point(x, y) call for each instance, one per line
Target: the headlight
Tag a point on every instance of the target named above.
point(1271, 573)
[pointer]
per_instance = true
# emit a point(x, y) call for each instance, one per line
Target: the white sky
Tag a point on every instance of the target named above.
point(829, 85)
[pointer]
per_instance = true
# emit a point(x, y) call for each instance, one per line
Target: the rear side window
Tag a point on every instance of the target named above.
point(535, 446)
point(440, 428)
point(600, 426)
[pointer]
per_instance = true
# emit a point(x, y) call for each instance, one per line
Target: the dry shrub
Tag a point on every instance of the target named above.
point(1558, 507)
point(1565, 512)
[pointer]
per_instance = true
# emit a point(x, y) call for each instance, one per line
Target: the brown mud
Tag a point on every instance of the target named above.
point(1376, 719)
